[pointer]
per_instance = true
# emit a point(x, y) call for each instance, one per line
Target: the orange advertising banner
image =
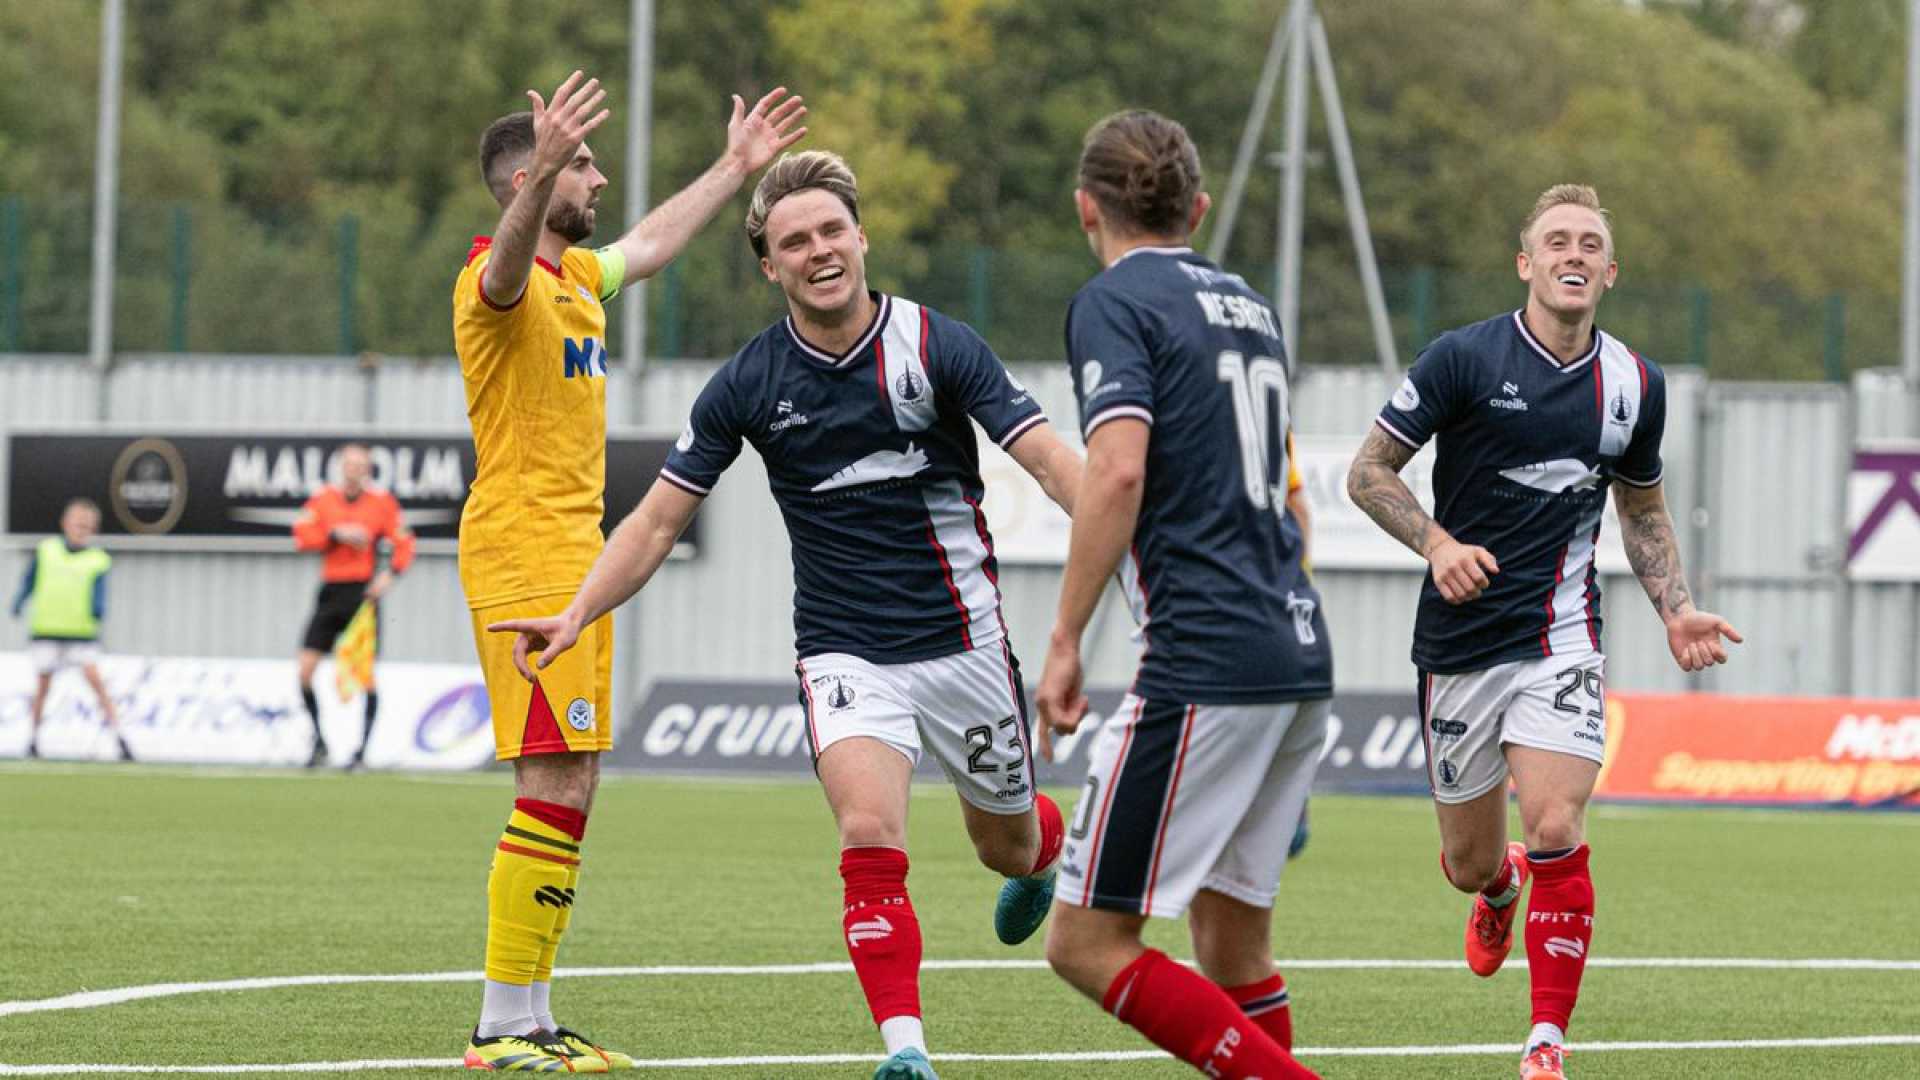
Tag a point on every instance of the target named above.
point(1755, 750)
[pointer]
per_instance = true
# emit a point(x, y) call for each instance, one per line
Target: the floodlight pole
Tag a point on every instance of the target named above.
point(1229, 210)
point(106, 184)
point(1910, 286)
point(633, 301)
point(1293, 180)
point(1350, 191)
point(1300, 42)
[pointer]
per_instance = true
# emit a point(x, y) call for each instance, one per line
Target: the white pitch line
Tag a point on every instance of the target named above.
point(95, 999)
point(1461, 1050)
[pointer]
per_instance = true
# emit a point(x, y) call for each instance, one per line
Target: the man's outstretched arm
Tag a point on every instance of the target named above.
point(754, 138)
point(558, 131)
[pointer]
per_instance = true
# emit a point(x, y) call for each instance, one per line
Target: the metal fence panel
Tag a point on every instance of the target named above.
point(237, 391)
point(255, 604)
point(1885, 640)
point(43, 390)
point(1778, 462)
point(1882, 406)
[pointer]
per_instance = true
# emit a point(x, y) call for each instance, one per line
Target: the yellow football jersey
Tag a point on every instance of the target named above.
point(536, 381)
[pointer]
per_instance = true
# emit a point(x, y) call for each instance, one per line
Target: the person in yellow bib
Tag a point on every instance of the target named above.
point(66, 588)
point(529, 325)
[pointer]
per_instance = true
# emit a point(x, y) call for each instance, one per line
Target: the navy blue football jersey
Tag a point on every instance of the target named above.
point(1527, 449)
point(872, 460)
point(1214, 578)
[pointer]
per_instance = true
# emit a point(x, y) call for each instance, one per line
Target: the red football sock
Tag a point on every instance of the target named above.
point(1053, 832)
point(1268, 1005)
point(1559, 930)
point(883, 936)
point(1186, 1015)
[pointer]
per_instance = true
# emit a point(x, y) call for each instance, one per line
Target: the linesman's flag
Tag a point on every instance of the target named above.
point(353, 653)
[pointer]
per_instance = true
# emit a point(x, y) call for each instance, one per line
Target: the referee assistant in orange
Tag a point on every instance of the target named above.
point(347, 522)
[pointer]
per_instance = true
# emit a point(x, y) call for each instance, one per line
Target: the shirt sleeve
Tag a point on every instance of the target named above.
point(1429, 399)
point(100, 596)
point(311, 528)
point(1640, 466)
point(711, 439)
point(1109, 350)
point(400, 537)
point(26, 584)
point(966, 370)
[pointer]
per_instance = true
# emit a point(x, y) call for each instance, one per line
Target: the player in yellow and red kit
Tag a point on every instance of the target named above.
point(530, 331)
point(348, 522)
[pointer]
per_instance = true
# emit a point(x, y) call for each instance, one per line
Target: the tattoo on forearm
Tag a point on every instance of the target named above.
point(1375, 486)
point(1646, 530)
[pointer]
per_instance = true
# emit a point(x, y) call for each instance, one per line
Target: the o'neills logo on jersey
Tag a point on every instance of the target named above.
point(788, 418)
point(1513, 400)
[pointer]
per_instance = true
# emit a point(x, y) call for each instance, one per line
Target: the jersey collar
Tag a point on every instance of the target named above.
point(1546, 354)
point(483, 243)
point(1131, 252)
point(883, 306)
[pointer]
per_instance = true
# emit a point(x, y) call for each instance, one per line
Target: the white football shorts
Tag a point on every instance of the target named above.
point(969, 710)
point(1557, 703)
point(50, 655)
point(1180, 798)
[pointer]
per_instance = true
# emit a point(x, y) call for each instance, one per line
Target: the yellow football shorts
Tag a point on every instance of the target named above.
point(570, 708)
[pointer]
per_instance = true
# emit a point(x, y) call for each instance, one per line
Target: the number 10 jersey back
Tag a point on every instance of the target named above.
point(1214, 577)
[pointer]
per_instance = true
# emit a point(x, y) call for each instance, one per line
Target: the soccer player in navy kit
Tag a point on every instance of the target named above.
point(862, 406)
point(1194, 787)
point(1537, 412)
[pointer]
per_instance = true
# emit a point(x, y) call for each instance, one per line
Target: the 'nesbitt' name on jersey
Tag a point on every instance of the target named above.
point(1237, 312)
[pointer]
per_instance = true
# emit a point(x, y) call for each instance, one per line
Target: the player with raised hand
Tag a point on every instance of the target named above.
point(1537, 412)
point(529, 327)
point(1195, 785)
point(862, 406)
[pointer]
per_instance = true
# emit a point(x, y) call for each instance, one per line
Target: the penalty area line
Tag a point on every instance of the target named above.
point(95, 999)
point(1460, 1050)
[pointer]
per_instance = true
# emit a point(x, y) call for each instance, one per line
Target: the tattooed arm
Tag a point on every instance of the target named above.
point(1646, 530)
point(1459, 570)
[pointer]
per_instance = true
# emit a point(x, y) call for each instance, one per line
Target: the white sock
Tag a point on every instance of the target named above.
point(1546, 1033)
point(901, 1032)
point(506, 1009)
point(542, 1005)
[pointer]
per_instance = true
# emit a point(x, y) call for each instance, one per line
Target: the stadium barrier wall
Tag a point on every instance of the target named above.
point(1756, 475)
point(1660, 748)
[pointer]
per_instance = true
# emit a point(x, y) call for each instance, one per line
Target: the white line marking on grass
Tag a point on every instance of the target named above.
point(94, 999)
point(1462, 1050)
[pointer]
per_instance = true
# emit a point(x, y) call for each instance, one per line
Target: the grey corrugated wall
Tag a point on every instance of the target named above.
point(1761, 532)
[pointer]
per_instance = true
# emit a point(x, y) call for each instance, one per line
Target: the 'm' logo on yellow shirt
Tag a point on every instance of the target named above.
point(587, 357)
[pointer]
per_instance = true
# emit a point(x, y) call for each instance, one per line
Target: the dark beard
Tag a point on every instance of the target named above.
point(570, 222)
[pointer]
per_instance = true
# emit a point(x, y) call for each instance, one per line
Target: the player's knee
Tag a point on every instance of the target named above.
point(1008, 856)
point(867, 828)
point(1069, 954)
point(1559, 827)
point(565, 779)
point(1471, 870)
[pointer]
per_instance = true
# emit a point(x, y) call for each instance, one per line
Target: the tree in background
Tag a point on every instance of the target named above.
point(1751, 148)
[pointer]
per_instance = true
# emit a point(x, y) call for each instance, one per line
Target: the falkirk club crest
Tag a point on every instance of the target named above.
point(909, 386)
point(841, 696)
point(1621, 408)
